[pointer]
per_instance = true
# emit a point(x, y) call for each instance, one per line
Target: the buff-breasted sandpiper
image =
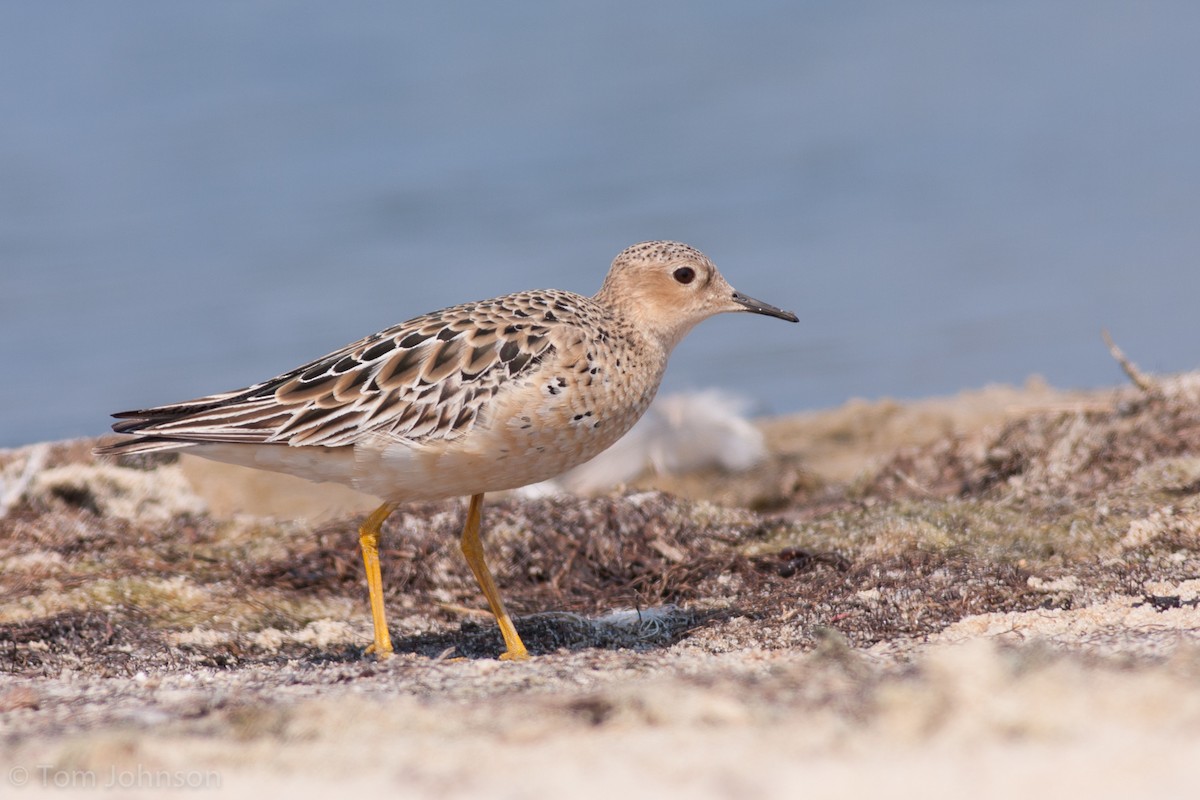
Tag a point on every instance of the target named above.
point(476, 398)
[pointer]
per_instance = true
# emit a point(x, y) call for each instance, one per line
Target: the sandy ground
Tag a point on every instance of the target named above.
point(990, 594)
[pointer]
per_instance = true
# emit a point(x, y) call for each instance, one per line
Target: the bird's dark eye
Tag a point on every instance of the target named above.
point(685, 274)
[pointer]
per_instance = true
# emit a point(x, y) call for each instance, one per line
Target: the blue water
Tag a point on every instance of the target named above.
point(196, 196)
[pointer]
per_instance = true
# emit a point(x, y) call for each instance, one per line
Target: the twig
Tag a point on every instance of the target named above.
point(455, 608)
point(912, 484)
point(1139, 378)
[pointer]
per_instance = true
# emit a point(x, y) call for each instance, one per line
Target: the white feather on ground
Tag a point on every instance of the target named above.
point(680, 433)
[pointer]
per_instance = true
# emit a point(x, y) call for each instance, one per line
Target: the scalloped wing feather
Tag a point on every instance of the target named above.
point(430, 378)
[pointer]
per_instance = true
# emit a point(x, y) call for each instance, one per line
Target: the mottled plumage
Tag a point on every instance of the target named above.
point(479, 397)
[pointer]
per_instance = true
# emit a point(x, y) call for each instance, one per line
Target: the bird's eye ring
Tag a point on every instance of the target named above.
point(684, 275)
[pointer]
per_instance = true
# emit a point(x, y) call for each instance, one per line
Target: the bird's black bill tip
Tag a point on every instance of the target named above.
point(759, 307)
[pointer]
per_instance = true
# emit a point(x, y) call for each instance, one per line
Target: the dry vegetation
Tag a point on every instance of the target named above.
point(1065, 529)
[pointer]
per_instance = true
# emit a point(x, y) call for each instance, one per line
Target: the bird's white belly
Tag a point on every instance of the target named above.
point(319, 464)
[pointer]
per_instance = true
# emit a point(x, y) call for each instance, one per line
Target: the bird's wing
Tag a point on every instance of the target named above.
point(426, 379)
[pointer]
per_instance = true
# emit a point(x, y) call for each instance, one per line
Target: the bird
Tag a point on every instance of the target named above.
point(480, 397)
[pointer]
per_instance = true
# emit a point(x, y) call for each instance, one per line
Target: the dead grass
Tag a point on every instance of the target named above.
point(1098, 500)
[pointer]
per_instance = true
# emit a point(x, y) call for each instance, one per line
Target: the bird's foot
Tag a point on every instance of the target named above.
point(381, 653)
point(515, 655)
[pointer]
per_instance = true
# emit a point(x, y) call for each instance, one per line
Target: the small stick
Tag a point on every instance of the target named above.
point(1139, 378)
point(455, 608)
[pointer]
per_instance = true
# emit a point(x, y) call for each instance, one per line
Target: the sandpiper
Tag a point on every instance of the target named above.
point(479, 397)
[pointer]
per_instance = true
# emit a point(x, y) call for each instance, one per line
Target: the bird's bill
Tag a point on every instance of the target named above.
point(759, 307)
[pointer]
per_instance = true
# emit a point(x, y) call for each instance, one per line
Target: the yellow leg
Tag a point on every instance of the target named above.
point(368, 539)
point(472, 548)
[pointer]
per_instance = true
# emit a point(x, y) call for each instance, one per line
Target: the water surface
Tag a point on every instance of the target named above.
point(197, 196)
